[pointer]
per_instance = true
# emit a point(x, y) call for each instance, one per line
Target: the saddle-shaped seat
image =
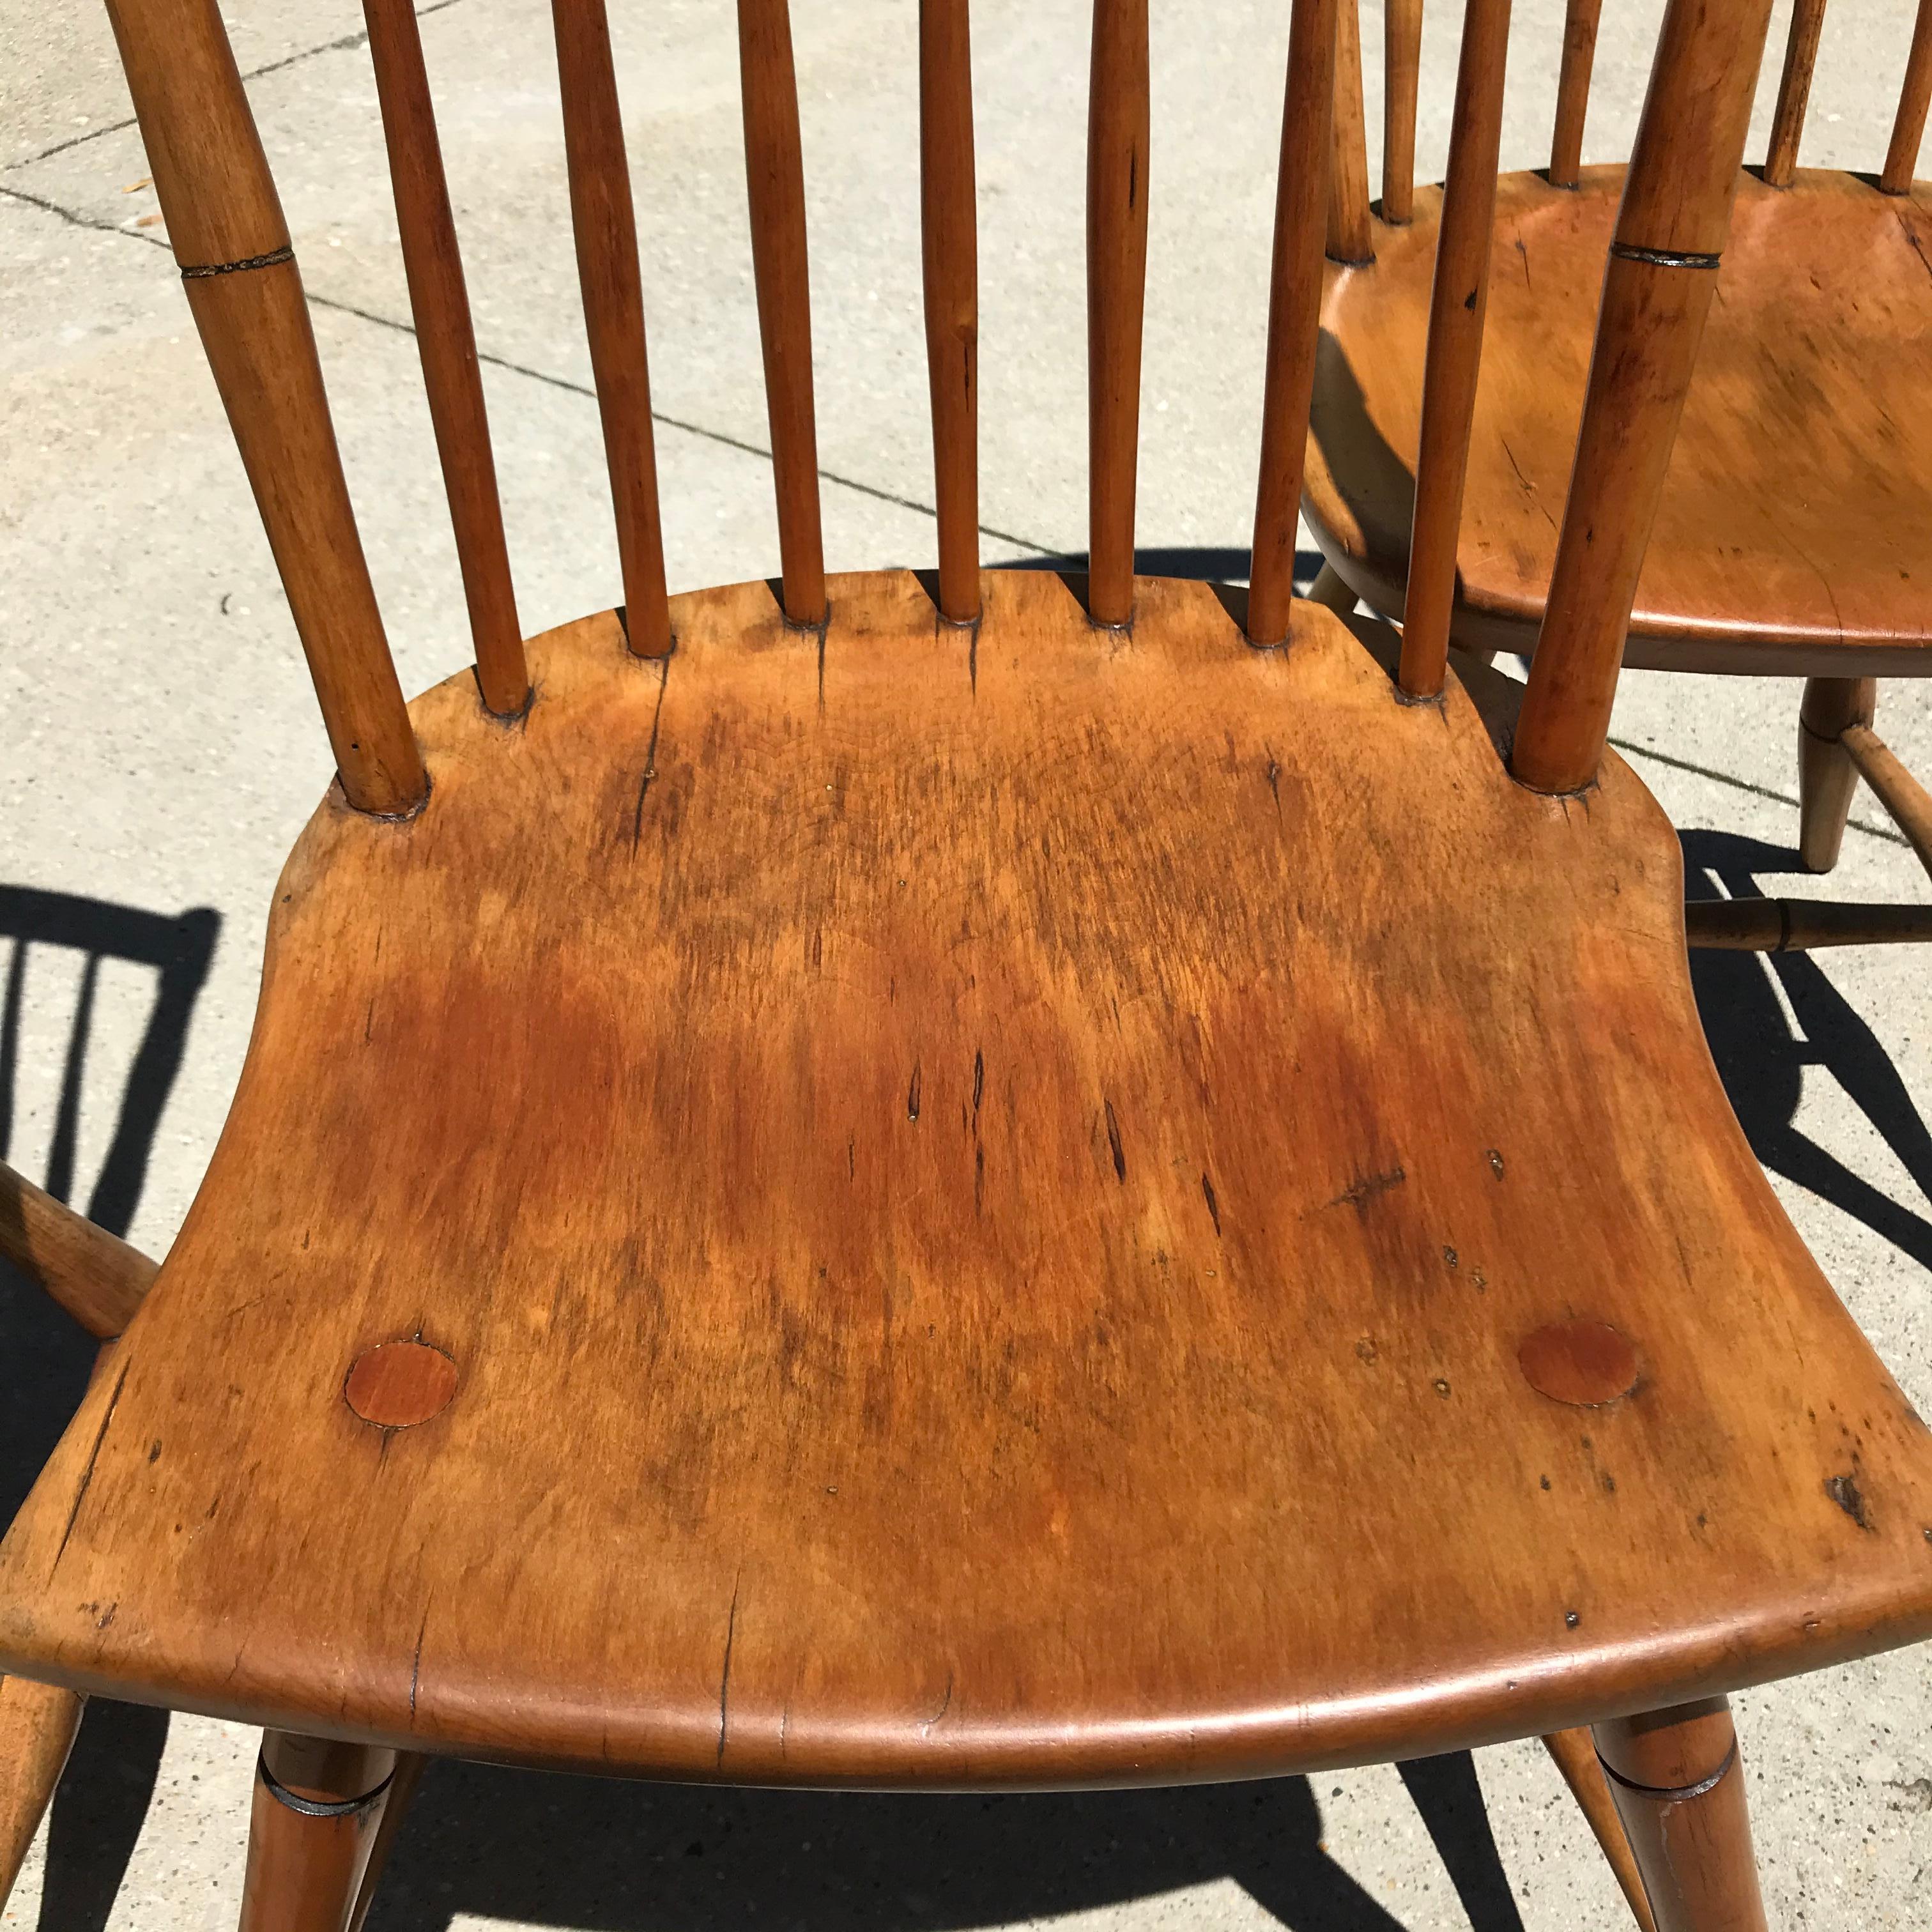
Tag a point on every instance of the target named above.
point(997, 1207)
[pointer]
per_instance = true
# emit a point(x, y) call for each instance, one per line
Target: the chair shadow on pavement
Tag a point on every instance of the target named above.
point(608, 1856)
point(1762, 1062)
point(44, 1357)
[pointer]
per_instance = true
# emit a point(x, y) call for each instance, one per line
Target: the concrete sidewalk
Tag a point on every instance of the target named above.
point(161, 750)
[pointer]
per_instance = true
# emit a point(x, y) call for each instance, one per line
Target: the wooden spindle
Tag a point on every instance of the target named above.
point(447, 343)
point(775, 172)
point(1573, 90)
point(1794, 92)
point(245, 293)
point(1294, 304)
point(1670, 232)
point(1454, 357)
point(1901, 158)
point(950, 247)
point(1118, 131)
point(604, 223)
point(1402, 74)
point(1349, 232)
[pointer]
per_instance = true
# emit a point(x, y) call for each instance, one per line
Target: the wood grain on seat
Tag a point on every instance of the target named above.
point(1791, 536)
point(987, 1196)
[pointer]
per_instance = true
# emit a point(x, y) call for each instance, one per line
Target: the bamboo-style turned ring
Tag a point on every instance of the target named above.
point(273, 259)
point(315, 1807)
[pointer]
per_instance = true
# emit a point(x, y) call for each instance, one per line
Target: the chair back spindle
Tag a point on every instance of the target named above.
point(453, 383)
point(949, 247)
point(1294, 302)
point(1901, 159)
point(1794, 92)
point(1458, 304)
point(775, 174)
point(246, 295)
point(1117, 135)
point(604, 223)
point(1573, 90)
point(1349, 232)
point(1670, 233)
point(225, 225)
point(1401, 79)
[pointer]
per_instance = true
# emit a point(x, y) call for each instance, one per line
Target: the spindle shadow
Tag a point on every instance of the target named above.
point(1762, 1062)
point(612, 1857)
point(1207, 563)
point(44, 1357)
point(1381, 491)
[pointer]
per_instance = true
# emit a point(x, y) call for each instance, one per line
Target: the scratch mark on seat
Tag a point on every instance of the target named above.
point(1529, 488)
point(1360, 1192)
point(650, 756)
point(93, 1456)
point(912, 1094)
point(724, 1679)
point(415, 1664)
point(945, 1705)
point(1114, 1142)
point(1213, 1206)
point(1905, 228)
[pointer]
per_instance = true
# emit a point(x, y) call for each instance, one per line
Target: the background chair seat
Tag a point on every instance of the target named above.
point(906, 1253)
point(1791, 537)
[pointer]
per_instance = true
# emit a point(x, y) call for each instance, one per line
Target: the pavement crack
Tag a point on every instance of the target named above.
point(340, 45)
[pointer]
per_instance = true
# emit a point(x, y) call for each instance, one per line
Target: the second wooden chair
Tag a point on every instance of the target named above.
point(1790, 535)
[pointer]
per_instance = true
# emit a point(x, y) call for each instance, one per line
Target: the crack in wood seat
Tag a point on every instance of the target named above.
point(986, 1190)
point(1811, 397)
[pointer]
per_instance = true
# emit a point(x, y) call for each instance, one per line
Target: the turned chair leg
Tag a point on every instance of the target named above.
point(1329, 589)
point(1680, 1791)
point(402, 1783)
point(316, 1828)
point(1575, 1752)
point(37, 1723)
point(1826, 776)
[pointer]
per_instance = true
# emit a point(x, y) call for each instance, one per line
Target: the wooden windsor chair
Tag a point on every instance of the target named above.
point(1057, 1183)
point(1791, 532)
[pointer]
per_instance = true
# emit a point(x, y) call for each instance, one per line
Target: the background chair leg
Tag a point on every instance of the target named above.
point(318, 1815)
point(1576, 1755)
point(1329, 589)
point(37, 1723)
point(1680, 1791)
point(408, 1774)
point(1826, 776)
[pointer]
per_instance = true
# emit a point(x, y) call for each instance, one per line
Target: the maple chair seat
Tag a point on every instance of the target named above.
point(1007, 1207)
point(1791, 537)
